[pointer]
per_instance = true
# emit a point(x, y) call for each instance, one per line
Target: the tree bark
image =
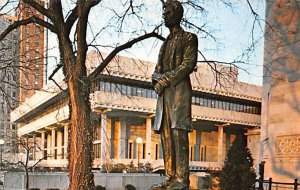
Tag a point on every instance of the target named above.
point(80, 140)
point(80, 152)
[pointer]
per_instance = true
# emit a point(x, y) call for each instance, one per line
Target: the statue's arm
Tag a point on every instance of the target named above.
point(159, 81)
point(189, 60)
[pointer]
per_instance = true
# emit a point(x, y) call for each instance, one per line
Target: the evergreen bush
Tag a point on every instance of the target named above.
point(99, 187)
point(238, 172)
point(129, 187)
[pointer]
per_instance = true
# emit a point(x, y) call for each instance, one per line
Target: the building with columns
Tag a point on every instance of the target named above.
point(123, 104)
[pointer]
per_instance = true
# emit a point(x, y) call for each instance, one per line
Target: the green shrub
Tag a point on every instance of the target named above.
point(238, 172)
point(118, 168)
point(129, 187)
point(99, 187)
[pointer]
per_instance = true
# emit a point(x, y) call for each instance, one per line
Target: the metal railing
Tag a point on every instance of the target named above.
point(270, 183)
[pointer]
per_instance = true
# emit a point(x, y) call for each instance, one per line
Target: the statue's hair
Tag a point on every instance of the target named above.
point(177, 7)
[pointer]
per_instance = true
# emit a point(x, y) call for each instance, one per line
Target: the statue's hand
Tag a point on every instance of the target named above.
point(158, 88)
point(164, 80)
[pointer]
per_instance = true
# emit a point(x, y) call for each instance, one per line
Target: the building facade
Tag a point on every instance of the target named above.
point(123, 104)
point(32, 52)
point(280, 132)
point(9, 75)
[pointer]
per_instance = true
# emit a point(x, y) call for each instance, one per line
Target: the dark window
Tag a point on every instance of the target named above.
point(209, 103)
point(144, 151)
point(205, 102)
point(113, 88)
point(106, 87)
point(139, 92)
point(130, 152)
point(101, 86)
point(153, 94)
point(123, 87)
point(213, 103)
point(156, 151)
point(227, 105)
point(133, 91)
point(128, 90)
point(119, 88)
point(201, 102)
point(148, 93)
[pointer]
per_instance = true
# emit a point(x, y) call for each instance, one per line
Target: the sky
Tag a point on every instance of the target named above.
point(230, 26)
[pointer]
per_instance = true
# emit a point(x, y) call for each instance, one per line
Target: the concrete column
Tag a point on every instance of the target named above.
point(197, 145)
point(148, 139)
point(118, 139)
point(105, 138)
point(66, 140)
point(53, 143)
point(33, 141)
point(42, 144)
point(123, 143)
point(220, 144)
point(48, 146)
point(112, 138)
point(59, 145)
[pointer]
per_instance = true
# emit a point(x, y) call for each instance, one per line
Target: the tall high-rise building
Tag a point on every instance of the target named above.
point(9, 76)
point(31, 52)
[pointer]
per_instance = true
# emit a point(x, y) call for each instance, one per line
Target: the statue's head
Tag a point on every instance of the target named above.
point(173, 13)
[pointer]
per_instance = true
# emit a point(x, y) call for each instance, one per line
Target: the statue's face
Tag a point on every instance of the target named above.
point(169, 16)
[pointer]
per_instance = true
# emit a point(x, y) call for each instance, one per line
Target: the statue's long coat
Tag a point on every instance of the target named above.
point(184, 60)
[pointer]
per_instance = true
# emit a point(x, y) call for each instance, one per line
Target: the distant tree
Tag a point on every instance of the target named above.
point(17, 162)
point(238, 172)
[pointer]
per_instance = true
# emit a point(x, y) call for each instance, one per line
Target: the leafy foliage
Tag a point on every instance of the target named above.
point(129, 168)
point(238, 172)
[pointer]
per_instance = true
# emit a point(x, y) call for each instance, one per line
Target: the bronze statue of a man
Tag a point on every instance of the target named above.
point(177, 59)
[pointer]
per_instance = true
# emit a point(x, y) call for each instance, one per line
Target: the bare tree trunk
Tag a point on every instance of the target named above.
point(80, 153)
point(26, 163)
point(27, 180)
point(80, 147)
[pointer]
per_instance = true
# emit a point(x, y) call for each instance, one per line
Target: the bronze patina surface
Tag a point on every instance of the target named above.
point(177, 60)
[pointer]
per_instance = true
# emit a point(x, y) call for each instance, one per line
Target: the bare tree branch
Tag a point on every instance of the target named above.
point(40, 8)
point(94, 75)
point(71, 20)
point(29, 20)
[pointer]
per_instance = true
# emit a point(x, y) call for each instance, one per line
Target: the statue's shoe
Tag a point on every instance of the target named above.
point(163, 185)
point(178, 186)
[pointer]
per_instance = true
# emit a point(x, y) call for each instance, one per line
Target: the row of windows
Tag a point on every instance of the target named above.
point(225, 105)
point(127, 90)
point(8, 126)
point(211, 102)
point(37, 42)
point(36, 58)
point(27, 48)
point(37, 30)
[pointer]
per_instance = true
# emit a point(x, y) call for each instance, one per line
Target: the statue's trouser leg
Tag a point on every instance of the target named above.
point(168, 144)
point(181, 143)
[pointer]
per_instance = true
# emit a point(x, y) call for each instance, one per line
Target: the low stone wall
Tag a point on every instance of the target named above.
point(60, 180)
